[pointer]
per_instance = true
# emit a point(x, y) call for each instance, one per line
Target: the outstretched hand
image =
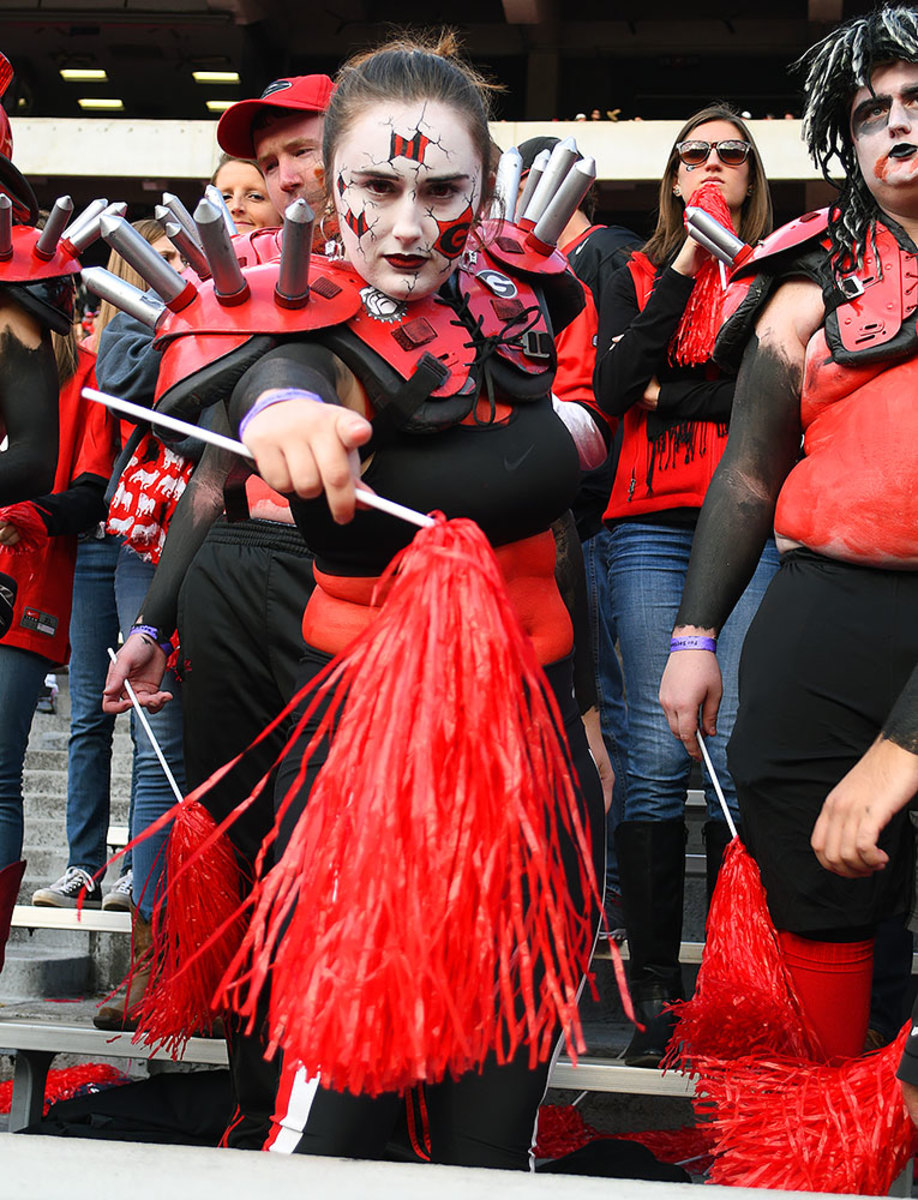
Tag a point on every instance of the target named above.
point(143, 664)
point(307, 447)
point(858, 808)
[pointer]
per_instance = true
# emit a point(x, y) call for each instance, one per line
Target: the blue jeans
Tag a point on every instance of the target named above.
point(609, 684)
point(21, 677)
point(647, 568)
point(151, 790)
point(93, 628)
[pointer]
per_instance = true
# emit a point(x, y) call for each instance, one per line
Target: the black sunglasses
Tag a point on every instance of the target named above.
point(732, 153)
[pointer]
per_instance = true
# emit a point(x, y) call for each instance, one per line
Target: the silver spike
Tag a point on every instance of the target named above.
point(507, 184)
point(565, 202)
point(714, 237)
point(181, 214)
point(215, 196)
point(58, 218)
point(292, 288)
point(536, 171)
point(88, 233)
point(6, 227)
point(191, 251)
point(165, 280)
point(91, 210)
point(123, 295)
point(562, 159)
point(230, 286)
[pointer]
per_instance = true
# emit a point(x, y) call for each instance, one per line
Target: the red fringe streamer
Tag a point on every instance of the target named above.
point(562, 1130)
point(805, 1127)
point(33, 533)
point(64, 1084)
point(419, 917)
point(693, 341)
point(743, 1002)
point(195, 935)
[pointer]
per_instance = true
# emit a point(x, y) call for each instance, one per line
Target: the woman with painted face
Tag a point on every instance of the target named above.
point(659, 316)
point(406, 158)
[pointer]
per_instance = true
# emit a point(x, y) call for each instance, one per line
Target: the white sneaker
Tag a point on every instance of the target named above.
point(119, 895)
point(65, 892)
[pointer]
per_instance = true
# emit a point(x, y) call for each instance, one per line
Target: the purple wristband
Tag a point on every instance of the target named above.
point(276, 397)
point(156, 635)
point(693, 641)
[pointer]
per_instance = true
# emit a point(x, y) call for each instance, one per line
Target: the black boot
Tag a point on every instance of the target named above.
point(717, 838)
point(651, 860)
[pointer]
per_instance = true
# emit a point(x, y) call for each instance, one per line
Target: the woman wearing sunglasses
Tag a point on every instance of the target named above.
point(659, 317)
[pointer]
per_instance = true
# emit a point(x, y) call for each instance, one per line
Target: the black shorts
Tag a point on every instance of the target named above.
point(825, 659)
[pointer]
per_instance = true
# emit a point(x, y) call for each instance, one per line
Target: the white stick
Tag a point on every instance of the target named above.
point(370, 499)
point(142, 717)
point(716, 782)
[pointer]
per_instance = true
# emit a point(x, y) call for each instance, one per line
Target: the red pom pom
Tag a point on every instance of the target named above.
point(420, 917)
point(693, 341)
point(195, 934)
point(743, 1002)
point(33, 533)
point(808, 1127)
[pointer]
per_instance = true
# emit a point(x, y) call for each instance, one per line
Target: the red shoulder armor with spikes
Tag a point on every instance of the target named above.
point(43, 286)
point(775, 259)
point(208, 338)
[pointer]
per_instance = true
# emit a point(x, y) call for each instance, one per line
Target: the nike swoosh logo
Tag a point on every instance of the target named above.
point(512, 465)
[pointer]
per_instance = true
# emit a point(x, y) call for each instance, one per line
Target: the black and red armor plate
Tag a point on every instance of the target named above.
point(497, 286)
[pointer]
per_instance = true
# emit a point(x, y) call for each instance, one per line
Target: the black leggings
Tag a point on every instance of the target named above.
point(485, 1119)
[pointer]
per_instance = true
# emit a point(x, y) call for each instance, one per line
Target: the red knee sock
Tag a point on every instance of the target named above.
point(832, 981)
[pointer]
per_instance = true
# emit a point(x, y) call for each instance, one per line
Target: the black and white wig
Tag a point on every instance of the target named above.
point(835, 68)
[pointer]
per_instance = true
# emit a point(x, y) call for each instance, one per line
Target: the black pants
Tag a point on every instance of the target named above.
point(825, 658)
point(485, 1119)
point(240, 618)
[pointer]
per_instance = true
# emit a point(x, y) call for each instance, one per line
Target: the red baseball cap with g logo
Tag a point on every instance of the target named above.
point(301, 93)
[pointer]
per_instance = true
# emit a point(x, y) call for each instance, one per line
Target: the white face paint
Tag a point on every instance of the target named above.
point(884, 128)
point(407, 182)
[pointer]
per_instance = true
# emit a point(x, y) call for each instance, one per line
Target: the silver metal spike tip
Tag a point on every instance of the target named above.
point(507, 184)
point(230, 286)
point(191, 251)
point(181, 214)
point(175, 291)
point(563, 157)
point(91, 211)
point(536, 171)
point(292, 288)
point(123, 295)
point(215, 196)
point(58, 219)
point(88, 232)
point(563, 204)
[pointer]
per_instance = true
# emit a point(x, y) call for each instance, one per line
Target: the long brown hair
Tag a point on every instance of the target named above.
point(756, 218)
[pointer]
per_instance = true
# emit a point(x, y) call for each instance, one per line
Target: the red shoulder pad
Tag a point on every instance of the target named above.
point(508, 307)
point(403, 333)
point(25, 266)
point(789, 237)
point(334, 297)
point(515, 251)
point(258, 246)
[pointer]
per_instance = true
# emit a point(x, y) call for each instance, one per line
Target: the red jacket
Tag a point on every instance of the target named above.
point(41, 617)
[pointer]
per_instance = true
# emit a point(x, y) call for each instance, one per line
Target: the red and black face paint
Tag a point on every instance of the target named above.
point(413, 147)
point(454, 234)
point(357, 223)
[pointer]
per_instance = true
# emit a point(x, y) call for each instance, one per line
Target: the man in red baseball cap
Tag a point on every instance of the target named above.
point(282, 131)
